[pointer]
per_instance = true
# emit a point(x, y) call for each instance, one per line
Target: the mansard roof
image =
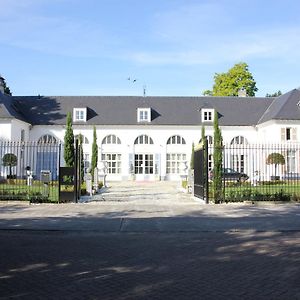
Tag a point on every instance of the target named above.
point(284, 107)
point(122, 110)
point(8, 109)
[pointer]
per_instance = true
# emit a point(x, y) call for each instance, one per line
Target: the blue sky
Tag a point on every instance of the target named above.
point(174, 47)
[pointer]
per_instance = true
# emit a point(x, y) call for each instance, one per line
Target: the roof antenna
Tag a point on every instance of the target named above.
point(144, 90)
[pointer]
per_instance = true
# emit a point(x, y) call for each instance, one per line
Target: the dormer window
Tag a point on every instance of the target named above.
point(79, 114)
point(144, 115)
point(207, 115)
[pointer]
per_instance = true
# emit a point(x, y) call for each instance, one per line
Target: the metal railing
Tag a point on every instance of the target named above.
point(258, 172)
point(29, 171)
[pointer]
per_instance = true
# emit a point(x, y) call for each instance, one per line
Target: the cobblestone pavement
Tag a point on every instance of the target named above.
point(85, 265)
point(158, 192)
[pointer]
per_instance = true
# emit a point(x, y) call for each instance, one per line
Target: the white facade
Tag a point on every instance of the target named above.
point(128, 159)
point(148, 151)
point(168, 161)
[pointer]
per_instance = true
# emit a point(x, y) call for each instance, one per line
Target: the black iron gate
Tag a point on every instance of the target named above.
point(201, 171)
point(70, 179)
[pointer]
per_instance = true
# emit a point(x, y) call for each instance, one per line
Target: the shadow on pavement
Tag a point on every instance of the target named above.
point(228, 265)
point(246, 253)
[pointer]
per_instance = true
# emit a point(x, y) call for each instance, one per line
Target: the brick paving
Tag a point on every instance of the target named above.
point(85, 265)
point(162, 246)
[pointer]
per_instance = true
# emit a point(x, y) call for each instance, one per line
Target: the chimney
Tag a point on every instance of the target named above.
point(2, 85)
point(242, 93)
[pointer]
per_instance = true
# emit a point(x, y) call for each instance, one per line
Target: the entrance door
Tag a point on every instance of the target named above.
point(143, 166)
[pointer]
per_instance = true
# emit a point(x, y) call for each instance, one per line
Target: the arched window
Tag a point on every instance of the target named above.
point(239, 140)
point(176, 140)
point(209, 140)
point(111, 139)
point(143, 139)
point(84, 139)
point(47, 139)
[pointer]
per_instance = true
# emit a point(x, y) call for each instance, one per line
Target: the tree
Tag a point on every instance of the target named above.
point(207, 93)
point(69, 151)
point(192, 157)
point(275, 159)
point(203, 139)
point(6, 88)
point(276, 94)
point(237, 78)
point(217, 158)
point(203, 134)
point(80, 148)
point(94, 162)
point(9, 160)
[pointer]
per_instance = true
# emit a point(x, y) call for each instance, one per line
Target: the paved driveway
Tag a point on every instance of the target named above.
point(160, 192)
point(149, 207)
point(149, 243)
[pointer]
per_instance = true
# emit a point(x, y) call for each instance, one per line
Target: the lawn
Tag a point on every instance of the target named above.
point(17, 189)
point(268, 191)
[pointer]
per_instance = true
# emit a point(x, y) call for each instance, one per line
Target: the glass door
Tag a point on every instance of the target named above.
point(143, 166)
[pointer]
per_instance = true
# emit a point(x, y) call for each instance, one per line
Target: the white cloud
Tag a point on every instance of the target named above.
point(282, 44)
point(192, 34)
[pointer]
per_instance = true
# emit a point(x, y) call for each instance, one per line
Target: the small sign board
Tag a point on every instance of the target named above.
point(45, 176)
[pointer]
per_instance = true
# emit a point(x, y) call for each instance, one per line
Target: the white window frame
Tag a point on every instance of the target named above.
point(288, 134)
point(144, 114)
point(86, 161)
point(143, 140)
point(113, 162)
point(175, 163)
point(207, 115)
point(111, 139)
point(176, 140)
point(79, 114)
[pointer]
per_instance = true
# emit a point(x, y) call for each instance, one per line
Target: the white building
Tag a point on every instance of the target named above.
point(150, 138)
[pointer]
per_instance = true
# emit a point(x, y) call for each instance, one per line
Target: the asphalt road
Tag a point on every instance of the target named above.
point(38, 264)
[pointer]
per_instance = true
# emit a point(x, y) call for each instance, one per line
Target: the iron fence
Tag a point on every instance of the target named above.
point(258, 172)
point(29, 171)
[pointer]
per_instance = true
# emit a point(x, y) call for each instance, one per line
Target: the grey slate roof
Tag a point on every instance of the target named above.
point(122, 110)
point(8, 109)
point(284, 107)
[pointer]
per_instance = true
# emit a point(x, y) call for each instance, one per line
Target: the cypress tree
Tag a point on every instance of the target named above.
point(69, 151)
point(203, 134)
point(192, 157)
point(203, 139)
point(80, 142)
point(217, 158)
point(94, 162)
